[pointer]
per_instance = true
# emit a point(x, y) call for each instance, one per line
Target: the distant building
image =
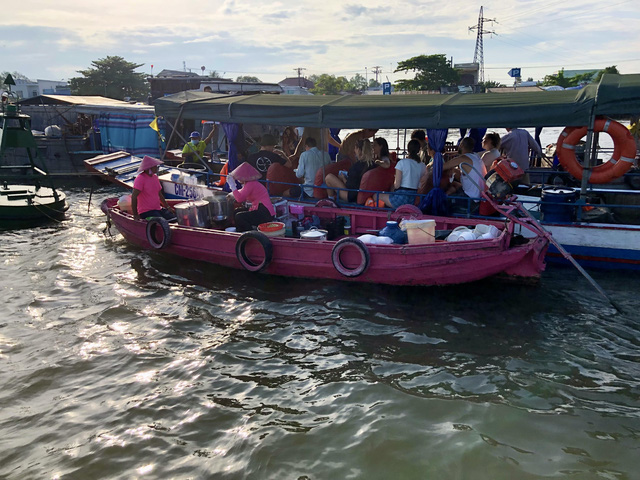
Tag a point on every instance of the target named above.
point(53, 87)
point(297, 82)
point(24, 88)
point(173, 81)
point(28, 89)
point(469, 73)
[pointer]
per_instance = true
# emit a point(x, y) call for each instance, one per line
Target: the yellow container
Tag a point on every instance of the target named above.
point(419, 231)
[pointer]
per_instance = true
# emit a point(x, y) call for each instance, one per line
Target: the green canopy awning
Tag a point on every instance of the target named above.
point(615, 95)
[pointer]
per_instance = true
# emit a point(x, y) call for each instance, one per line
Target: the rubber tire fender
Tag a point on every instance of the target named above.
point(365, 258)
point(151, 232)
point(244, 259)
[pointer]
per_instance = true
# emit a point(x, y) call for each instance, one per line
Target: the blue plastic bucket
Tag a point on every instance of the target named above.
point(558, 204)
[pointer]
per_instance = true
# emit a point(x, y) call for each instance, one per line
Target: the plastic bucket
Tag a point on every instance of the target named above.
point(557, 204)
point(419, 231)
point(272, 229)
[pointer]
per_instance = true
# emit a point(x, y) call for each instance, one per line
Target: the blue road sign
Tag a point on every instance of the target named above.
point(514, 72)
point(386, 88)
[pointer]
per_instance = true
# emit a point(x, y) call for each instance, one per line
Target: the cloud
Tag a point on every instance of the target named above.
point(355, 10)
point(268, 39)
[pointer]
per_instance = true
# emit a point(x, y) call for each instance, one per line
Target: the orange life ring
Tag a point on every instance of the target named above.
point(624, 151)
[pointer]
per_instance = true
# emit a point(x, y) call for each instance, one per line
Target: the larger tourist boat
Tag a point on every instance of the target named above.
point(610, 240)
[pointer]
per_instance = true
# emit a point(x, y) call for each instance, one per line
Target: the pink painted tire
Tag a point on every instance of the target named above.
point(362, 249)
point(158, 233)
point(241, 251)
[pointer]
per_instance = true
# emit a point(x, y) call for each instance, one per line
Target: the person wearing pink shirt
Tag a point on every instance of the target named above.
point(147, 199)
point(252, 191)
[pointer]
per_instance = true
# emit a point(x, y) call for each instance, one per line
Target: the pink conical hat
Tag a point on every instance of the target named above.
point(149, 162)
point(246, 173)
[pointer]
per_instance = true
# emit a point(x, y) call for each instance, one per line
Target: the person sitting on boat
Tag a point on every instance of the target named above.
point(194, 150)
point(449, 182)
point(491, 144)
point(351, 180)
point(311, 161)
point(348, 145)
point(421, 137)
point(408, 173)
point(147, 199)
point(472, 178)
point(516, 145)
point(263, 158)
point(255, 193)
point(381, 152)
point(289, 141)
point(321, 136)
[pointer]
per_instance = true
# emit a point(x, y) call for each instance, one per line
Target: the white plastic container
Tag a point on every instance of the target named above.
point(465, 232)
point(419, 232)
point(124, 203)
point(485, 232)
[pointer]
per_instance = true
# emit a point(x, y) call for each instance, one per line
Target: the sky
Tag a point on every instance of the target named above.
point(270, 39)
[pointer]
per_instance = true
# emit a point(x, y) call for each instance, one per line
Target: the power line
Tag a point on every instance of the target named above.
point(566, 64)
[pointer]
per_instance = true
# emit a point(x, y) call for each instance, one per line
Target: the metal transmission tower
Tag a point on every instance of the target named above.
point(478, 56)
point(299, 70)
point(377, 70)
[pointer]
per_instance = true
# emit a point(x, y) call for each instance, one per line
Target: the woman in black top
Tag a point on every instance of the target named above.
point(351, 179)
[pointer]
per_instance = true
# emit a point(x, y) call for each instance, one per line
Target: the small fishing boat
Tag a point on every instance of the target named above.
point(433, 261)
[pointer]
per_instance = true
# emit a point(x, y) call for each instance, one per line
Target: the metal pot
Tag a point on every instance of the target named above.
point(220, 206)
point(193, 213)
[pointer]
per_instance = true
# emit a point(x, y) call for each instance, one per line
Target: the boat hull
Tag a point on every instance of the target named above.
point(439, 263)
point(23, 204)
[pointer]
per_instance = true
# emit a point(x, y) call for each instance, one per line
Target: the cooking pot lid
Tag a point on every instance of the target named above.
point(313, 234)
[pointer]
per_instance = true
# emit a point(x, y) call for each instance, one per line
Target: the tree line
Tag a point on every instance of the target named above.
point(114, 77)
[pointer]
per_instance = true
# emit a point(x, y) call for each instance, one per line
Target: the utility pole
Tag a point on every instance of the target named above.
point(377, 69)
point(478, 56)
point(299, 70)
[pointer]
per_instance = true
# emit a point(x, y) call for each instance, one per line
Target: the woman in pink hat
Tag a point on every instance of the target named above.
point(147, 199)
point(252, 191)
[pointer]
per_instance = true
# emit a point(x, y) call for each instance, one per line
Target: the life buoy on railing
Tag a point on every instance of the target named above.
point(623, 154)
point(241, 251)
point(361, 248)
point(158, 232)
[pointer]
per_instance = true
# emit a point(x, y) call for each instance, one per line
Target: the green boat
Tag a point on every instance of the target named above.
point(26, 195)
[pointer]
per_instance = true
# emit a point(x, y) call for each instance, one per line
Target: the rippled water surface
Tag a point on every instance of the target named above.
point(121, 363)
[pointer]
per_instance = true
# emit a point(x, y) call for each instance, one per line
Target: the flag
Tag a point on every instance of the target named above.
point(154, 126)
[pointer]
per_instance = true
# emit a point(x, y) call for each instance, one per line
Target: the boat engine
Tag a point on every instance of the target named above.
point(501, 182)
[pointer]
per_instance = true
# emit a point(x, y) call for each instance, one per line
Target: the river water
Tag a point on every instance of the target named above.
point(120, 363)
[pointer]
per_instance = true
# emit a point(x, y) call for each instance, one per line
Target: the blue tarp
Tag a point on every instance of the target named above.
point(131, 133)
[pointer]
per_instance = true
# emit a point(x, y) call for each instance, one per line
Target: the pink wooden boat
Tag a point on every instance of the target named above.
point(347, 258)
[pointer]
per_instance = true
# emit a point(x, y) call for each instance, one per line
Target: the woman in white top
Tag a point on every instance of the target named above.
point(408, 173)
point(491, 145)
